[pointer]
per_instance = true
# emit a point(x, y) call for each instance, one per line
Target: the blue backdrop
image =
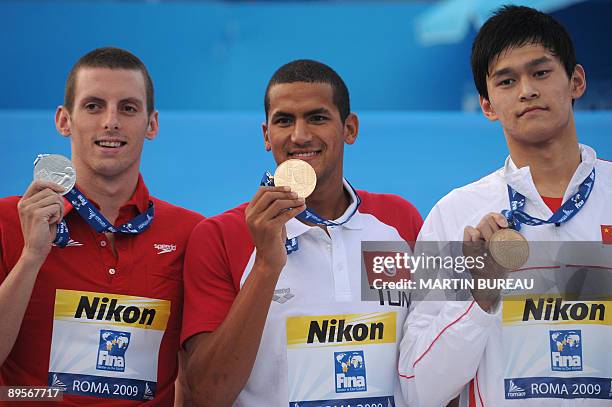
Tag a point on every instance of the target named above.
point(215, 55)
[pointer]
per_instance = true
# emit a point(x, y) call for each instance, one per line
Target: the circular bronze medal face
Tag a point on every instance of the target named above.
point(297, 174)
point(509, 248)
point(55, 168)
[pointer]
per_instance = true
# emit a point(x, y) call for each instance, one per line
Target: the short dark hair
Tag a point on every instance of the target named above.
point(514, 26)
point(113, 58)
point(307, 70)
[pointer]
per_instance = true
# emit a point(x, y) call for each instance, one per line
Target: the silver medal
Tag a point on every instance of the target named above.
point(55, 168)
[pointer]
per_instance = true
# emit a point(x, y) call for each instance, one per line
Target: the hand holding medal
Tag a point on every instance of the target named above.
point(301, 178)
point(273, 206)
point(487, 239)
point(41, 208)
point(56, 169)
point(507, 247)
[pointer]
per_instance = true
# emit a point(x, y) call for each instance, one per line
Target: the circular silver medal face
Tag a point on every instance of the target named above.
point(55, 168)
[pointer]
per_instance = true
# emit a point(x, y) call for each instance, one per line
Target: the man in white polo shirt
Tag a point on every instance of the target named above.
point(551, 188)
point(267, 328)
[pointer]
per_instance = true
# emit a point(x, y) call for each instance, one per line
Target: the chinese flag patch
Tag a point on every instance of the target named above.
point(606, 234)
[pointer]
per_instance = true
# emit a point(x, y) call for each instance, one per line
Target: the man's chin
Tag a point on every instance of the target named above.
point(110, 171)
point(537, 134)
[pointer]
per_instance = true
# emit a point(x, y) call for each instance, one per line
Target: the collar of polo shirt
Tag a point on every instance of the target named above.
point(296, 228)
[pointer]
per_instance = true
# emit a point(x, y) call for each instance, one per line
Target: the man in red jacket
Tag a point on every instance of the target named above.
point(91, 282)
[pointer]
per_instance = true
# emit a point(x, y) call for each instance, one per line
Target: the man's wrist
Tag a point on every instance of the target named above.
point(267, 267)
point(31, 260)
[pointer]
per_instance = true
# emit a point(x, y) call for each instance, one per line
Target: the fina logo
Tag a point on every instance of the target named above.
point(566, 350)
point(350, 371)
point(111, 352)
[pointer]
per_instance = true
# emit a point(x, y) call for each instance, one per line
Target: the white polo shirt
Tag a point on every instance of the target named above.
point(321, 345)
point(505, 360)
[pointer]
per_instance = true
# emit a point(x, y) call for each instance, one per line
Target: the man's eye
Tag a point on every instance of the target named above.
point(130, 109)
point(540, 74)
point(92, 106)
point(283, 121)
point(318, 118)
point(506, 82)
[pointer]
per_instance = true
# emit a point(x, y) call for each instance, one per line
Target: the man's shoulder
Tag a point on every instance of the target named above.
point(229, 225)
point(394, 211)
point(8, 209)
point(604, 167)
point(464, 206)
point(484, 189)
point(372, 203)
point(221, 243)
point(175, 211)
point(9, 201)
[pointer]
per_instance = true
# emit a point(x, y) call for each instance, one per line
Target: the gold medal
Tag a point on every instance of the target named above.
point(509, 248)
point(298, 175)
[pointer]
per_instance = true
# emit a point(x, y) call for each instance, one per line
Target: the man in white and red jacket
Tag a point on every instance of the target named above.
point(526, 73)
point(268, 324)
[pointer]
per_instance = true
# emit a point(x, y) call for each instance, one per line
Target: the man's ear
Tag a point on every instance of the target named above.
point(266, 136)
point(351, 128)
point(487, 109)
point(62, 121)
point(578, 82)
point(153, 127)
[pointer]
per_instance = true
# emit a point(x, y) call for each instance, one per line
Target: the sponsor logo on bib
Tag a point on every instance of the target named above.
point(566, 350)
point(558, 310)
point(111, 352)
point(514, 390)
point(350, 371)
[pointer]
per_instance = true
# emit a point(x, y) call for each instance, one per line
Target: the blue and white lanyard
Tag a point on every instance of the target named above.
point(516, 216)
point(97, 221)
point(291, 245)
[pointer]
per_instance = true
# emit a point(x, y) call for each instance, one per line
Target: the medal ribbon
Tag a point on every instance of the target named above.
point(516, 216)
point(96, 220)
point(291, 245)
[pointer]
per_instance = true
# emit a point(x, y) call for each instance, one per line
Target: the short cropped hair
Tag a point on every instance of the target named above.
point(113, 58)
point(512, 27)
point(307, 70)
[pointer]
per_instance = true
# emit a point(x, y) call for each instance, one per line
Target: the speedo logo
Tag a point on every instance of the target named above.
point(164, 248)
point(105, 309)
point(555, 309)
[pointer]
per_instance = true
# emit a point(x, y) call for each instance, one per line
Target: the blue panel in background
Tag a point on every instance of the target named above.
point(210, 162)
point(214, 55)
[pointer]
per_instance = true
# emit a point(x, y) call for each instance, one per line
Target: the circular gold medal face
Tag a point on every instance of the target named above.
point(298, 175)
point(509, 249)
point(55, 168)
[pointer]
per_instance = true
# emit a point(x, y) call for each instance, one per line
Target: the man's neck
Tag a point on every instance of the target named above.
point(552, 164)
point(109, 193)
point(330, 200)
